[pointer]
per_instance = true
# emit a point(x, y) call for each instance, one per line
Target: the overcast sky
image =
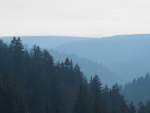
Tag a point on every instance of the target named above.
point(74, 17)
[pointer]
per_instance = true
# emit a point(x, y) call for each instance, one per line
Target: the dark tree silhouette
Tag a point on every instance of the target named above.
point(30, 82)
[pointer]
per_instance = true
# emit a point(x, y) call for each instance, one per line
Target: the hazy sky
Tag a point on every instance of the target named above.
point(74, 17)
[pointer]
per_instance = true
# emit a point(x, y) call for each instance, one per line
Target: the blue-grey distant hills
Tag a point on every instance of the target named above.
point(44, 41)
point(90, 68)
point(128, 56)
point(117, 58)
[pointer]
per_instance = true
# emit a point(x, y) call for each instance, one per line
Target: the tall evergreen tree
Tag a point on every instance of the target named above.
point(120, 104)
point(82, 104)
point(141, 108)
point(132, 108)
point(96, 95)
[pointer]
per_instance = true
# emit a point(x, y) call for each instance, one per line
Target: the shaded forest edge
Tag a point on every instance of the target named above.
point(138, 89)
point(30, 82)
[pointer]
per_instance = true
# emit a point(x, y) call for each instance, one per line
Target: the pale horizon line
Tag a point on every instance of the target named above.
point(73, 36)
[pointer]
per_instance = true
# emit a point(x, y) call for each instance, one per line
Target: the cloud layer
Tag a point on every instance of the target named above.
point(74, 17)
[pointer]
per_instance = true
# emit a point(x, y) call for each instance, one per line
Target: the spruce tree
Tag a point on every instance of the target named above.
point(96, 95)
point(132, 108)
point(82, 103)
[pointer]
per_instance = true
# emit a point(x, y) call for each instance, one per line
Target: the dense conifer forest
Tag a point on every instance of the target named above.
point(138, 90)
point(30, 82)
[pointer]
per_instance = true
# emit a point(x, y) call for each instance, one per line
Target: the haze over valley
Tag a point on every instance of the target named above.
point(118, 58)
point(38, 73)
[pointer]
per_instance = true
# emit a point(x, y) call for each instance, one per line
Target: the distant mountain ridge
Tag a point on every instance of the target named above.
point(45, 41)
point(126, 55)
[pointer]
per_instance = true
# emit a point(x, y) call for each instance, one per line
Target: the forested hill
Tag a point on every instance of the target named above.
point(30, 82)
point(89, 67)
point(122, 57)
point(138, 90)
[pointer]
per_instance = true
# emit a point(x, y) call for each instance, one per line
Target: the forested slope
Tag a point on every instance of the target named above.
point(30, 82)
